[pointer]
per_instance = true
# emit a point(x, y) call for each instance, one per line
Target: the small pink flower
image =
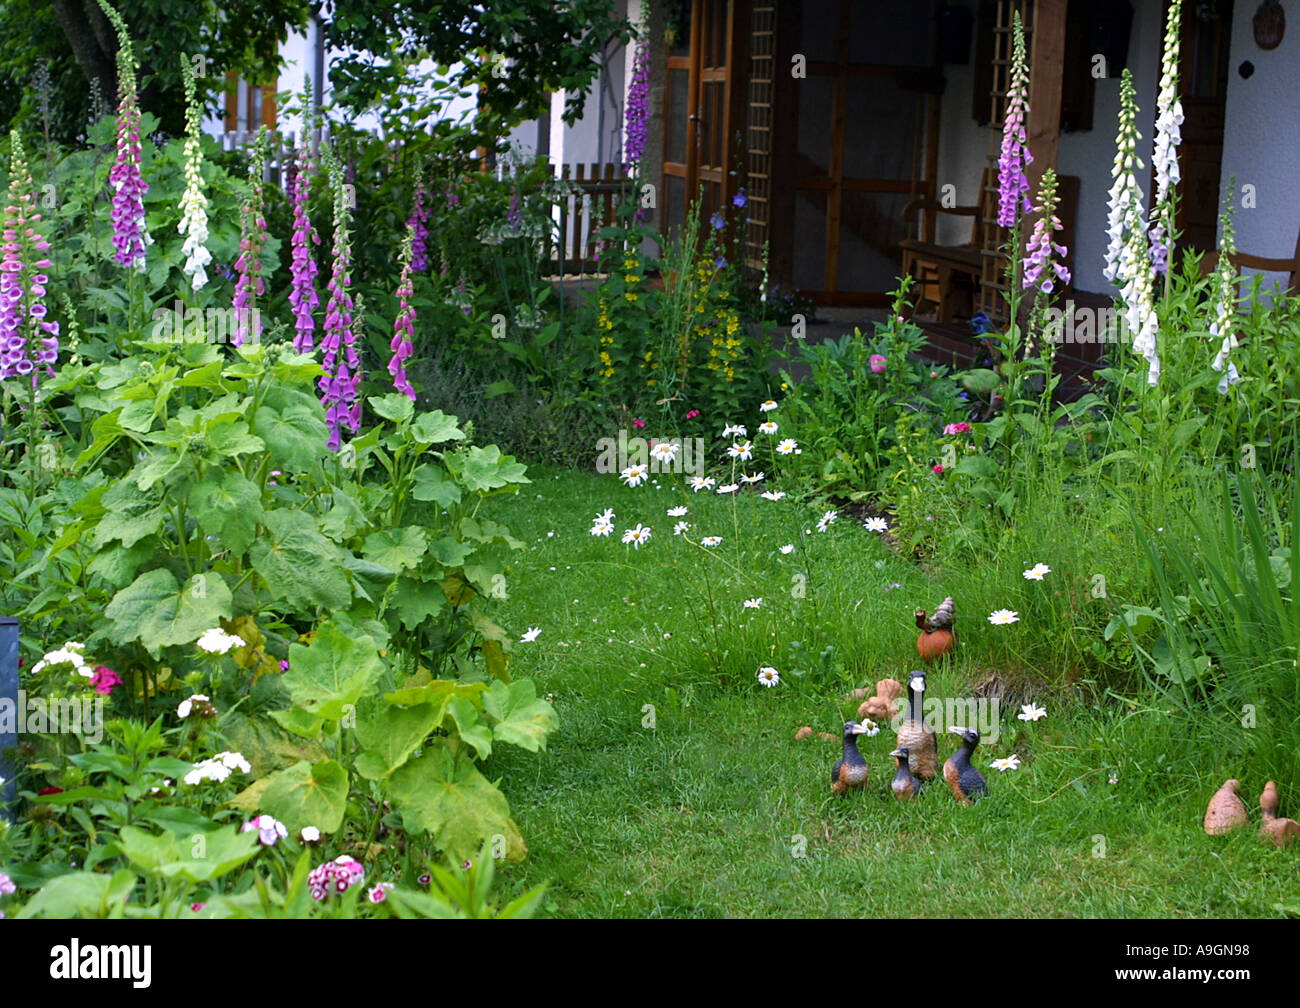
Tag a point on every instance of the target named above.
point(638, 422)
point(878, 362)
point(937, 469)
point(105, 680)
point(692, 414)
point(380, 892)
point(957, 428)
point(196, 907)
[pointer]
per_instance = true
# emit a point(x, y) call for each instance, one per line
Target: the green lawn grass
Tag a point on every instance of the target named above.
point(717, 811)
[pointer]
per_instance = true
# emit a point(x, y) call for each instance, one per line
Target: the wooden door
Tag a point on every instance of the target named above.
point(700, 109)
point(1206, 32)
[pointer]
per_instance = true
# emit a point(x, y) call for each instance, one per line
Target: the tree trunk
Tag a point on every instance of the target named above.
point(92, 41)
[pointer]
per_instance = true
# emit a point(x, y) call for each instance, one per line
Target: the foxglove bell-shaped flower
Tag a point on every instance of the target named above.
point(23, 350)
point(130, 233)
point(638, 107)
point(194, 205)
point(1164, 160)
point(303, 298)
point(1041, 270)
point(339, 383)
point(249, 285)
point(404, 327)
point(1224, 306)
point(1013, 187)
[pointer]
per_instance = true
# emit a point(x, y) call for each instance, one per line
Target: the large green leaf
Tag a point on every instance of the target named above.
point(431, 483)
point(486, 469)
point(395, 406)
point(328, 676)
point(81, 895)
point(522, 719)
point(454, 802)
point(228, 506)
point(392, 733)
point(296, 433)
point(415, 601)
point(265, 744)
point(308, 794)
point(471, 727)
point(435, 428)
point(396, 548)
point(199, 858)
point(129, 515)
point(157, 612)
point(433, 692)
point(448, 552)
point(301, 567)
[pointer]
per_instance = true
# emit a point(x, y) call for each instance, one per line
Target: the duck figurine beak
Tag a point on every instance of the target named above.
point(958, 730)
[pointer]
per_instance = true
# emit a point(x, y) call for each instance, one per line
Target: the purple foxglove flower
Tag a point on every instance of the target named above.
point(302, 270)
point(1013, 187)
point(130, 233)
point(339, 383)
point(419, 225)
point(404, 327)
point(638, 108)
point(22, 284)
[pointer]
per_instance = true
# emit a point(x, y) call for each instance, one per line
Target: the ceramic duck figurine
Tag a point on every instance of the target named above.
point(904, 785)
point(966, 782)
point(917, 736)
point(1226, 811)
point(937, 638)
point(1280, 831)
point(851, 770)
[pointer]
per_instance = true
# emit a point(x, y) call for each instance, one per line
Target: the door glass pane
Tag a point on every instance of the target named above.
point(870, 229)
point(814, 125)
point(820, 18)
point(809, 268)
point(679, 30)
point(675, 149)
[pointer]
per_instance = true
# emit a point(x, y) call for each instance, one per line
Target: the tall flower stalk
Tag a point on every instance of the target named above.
point(1224, 307)
point(1013, 186)
point(249, 285)
point(418, 224)
point(404, 327)
point(1128, 255)
point(303, 298)
point(23, 350)
point(194, 204)
point(1164, 159)
point(638, 105)
point(130, 231)
point(339, 383)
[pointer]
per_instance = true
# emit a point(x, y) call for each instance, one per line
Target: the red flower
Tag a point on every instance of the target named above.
point(49, 791)
point(692, 414)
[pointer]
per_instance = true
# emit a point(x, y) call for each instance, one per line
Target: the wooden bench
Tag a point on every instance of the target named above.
point(1243, 260)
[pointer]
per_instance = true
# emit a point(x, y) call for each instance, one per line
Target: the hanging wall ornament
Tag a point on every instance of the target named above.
point(1270, 25)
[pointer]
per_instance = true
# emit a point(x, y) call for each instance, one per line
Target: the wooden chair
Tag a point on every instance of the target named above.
point(1243, 260)
point(946, 274)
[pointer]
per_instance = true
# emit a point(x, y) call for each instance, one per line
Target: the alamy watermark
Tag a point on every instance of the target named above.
point(187, 324)
point(658, 455)
point(1084, 325)
point(79, 715)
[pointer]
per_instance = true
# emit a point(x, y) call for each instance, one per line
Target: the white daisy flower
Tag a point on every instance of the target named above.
point(735, 429)
point(767, 406)
point(679, 511)
point(681, 527)
point(768, 427)
point(827, 520)
point(1036, 572)
point(1028, 712)
point(665, 451)
point(773, 494)
point(875, 525)
point(753, 603)
point(711, 541)
point(743, 450)
point(1004, 617)
point(605, 516)
point(634, 475)
point(787, 447)
point(729, 488)
point(530, 635)
point(787, 549)
point(601, 528)
point(755, 478)
point(768, 676)
point(1011, 762)
point(638, 536)
point(698, 483)
point(868, 728)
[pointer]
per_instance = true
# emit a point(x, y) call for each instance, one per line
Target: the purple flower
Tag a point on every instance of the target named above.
point(1041, 270)
point(249, 285)
point(404, 327)
point(303, 298)
point(718, 221)
point(338, 875)
point(638, 107)
point(1013, 187)
point(22, 281)
point(419, 225)
point(339, 383)
point(130, 235)
point(740, 199)
point(720, 262)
